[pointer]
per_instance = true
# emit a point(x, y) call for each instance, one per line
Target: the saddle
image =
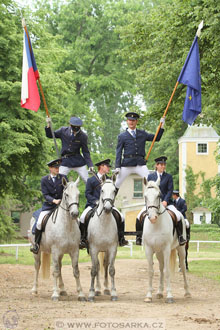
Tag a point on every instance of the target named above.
point(36, 215)
point(89, 215)
point(45, 219)
point(174, 218)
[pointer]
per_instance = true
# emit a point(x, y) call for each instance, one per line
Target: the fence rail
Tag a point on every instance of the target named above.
point(130, 246)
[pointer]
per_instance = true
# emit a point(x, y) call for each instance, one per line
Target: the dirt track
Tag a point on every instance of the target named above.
point(201, 312)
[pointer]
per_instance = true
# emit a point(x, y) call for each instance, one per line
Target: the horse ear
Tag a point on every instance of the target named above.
point(145, 181)
point(114, 178)
point(77, 180)
point(103, 178)
point(64, 182)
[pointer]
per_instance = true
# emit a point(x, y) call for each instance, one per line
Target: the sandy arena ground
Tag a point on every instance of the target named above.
point(20, 310)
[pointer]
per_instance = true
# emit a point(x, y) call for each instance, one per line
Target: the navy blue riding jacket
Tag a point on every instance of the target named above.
point(71, 145)
point(51, 190)
point(93, 189)
point(166, 186)
point(181, 206)
point(133, 148)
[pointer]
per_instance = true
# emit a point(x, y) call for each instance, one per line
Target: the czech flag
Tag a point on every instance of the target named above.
point(30, 98)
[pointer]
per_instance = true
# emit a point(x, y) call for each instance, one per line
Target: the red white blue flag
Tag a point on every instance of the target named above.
point(30, 98)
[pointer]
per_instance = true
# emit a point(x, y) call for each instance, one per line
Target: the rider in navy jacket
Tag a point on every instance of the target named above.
point(73, 141)
point(166, 185)
point(92, 193)
point(179, 203)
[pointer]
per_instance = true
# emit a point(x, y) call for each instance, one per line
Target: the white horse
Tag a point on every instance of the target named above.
point(62, 235)
point(103, 237)
point(158, 238)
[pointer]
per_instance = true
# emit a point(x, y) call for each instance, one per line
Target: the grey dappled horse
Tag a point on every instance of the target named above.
point(103, 237)
point(61, 236)
point(158, 238)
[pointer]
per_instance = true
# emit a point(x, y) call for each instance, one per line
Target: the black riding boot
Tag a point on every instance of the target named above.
point(179, 230)
point(139, 227)
point(121, 238)
point(83, 241)
point(35, 248)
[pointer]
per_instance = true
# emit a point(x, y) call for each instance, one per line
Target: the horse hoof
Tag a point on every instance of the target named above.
point(81, 298)
point(159, 295)
point(107, 292)
point(114, 298)
point(187, 295)
point(91, 299)
point(170, 300)
point(63, 293)
point(148, 300)
point(55, 298)
point(98, 293)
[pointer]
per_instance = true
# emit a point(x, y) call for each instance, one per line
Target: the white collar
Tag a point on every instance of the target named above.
point(131, 130)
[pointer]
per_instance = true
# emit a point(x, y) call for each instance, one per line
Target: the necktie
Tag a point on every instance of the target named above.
point(54, 179)
point(133, 134)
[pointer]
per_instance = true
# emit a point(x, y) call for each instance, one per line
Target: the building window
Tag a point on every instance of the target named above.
point(202, 148)
point(138, 188)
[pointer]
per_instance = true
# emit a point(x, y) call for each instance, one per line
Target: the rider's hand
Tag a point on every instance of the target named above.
point(91, 169)
point(48, 121)
point(56, 201)
point(117, 170)
point(162, 120)
point(164, 203)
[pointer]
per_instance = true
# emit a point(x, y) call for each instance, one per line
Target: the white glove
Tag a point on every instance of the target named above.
point(117, 170)
point(91, 169)
point(162, 120)
point(48, 121)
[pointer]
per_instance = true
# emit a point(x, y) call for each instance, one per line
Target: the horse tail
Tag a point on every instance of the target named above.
point(173, 262)
point(101, 257)
point(45, 265)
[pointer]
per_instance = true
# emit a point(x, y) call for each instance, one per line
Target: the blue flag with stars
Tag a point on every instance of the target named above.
point(190, 76)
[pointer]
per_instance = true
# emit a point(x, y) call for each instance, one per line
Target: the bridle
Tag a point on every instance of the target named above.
point(154, 206)
point(110, 200)
point(68, 205)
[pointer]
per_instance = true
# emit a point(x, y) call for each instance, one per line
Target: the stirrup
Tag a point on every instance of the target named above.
point(123, 242)
point(83, 244)
point(35, 248)
point(181, 240)
point(138, 241)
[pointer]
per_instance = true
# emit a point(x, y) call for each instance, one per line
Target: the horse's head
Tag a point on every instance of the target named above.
point(71, 197)
point(152, 199)
point(108, 193)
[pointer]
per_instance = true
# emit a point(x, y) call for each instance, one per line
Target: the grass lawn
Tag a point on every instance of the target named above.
point(205, 263)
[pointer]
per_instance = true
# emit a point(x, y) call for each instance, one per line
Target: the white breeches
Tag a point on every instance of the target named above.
point(41, 216)
point(83, 215)
point(81, 170)
point(126, 171)
point(169, 207)
point(187, 223)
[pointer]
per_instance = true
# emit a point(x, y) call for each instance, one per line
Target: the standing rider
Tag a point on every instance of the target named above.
point(131, 144)
point(93, 189)
point(73, 139)
point(52, 190)
point(166, 188)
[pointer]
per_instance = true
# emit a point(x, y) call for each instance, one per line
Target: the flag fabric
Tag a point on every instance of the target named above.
point(30, 98)
point(190, 76)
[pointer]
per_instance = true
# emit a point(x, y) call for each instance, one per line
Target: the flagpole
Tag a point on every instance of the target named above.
point(42, 94)
point(159, 127)
point(174, 90)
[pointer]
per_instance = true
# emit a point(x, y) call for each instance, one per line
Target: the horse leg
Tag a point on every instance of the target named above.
point(149, 255)
point(37, 263)
point(106, 264)
point(74, 255)
point(61, 284)
point(161, 267)
point(181, 251)
point(112, 255)
point(94, 271)
point(98, 283)
point(166, 256)
point(56, 275)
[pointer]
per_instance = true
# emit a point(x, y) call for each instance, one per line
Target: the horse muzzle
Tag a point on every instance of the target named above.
point(108, 206)
point(153, 219)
